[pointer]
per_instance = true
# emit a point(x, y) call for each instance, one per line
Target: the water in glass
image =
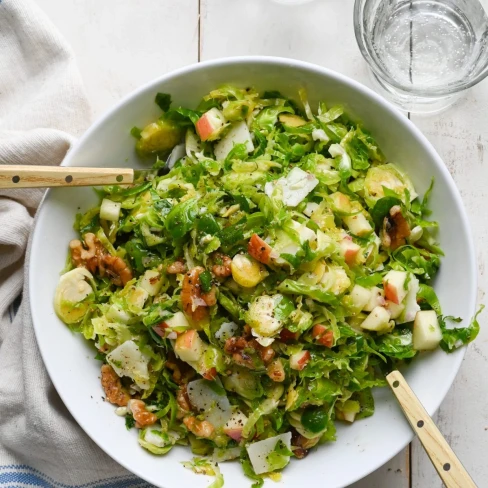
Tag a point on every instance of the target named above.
point(423, 48)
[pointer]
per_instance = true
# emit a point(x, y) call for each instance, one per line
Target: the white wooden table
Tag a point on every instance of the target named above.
point(121, 44)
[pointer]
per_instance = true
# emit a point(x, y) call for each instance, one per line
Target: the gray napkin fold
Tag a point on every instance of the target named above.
point(43, 108)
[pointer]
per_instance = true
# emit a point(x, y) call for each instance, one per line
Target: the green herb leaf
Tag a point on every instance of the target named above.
point(129, 422)
point(163, 100)
point(370, 280)
point(428, 294)
point(208, 224)
point(136, 132)
point(182, 117)
point(230, 235)
point(206, 281)
point(454, 338)
point(283, 308)
point(382, 208)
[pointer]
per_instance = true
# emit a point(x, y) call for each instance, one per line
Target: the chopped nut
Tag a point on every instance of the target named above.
point(95, 257)
point(192, 301)
point(140, 413)
point(90, 257)
point(276, 371)
point(177, 267)
point(395, 229)
point(183, 401)
point(112, 387)
point(201, 428)
point(221, 268)
point(120, 274)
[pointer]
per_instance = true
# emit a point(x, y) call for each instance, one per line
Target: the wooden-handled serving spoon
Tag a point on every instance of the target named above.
point(51, 176)
point(450, 469)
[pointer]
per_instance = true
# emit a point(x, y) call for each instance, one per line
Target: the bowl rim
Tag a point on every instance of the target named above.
point(292, 63)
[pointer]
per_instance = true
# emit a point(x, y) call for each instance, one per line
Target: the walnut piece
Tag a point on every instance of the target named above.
point(221, 268)
point(112, 387)
point(395, 229)
point(94, 257)
point(141, 415)
point(201, 428)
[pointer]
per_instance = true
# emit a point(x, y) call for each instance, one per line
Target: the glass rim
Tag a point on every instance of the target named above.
point(450, 89)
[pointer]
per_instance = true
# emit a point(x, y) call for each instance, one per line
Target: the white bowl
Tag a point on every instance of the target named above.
point(360, 448)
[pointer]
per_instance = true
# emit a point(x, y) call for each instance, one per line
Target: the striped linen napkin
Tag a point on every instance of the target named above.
point(42, 109)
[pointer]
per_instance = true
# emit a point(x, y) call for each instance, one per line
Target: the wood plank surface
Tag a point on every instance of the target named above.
point(460, 136)
point(121, 45)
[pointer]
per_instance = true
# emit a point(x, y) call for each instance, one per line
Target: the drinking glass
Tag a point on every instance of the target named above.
point(423, 53)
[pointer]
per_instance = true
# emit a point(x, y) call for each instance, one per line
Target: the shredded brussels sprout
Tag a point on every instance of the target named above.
point(252, 291)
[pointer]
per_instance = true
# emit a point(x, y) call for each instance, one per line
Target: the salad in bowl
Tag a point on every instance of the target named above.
point(251, 290)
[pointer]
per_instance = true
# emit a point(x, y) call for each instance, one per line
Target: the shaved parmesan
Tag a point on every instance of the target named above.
point(294, 188)
point(226, 331)
point(260, 451)
point(210, 400)
point(238, 134)
point(128, 360)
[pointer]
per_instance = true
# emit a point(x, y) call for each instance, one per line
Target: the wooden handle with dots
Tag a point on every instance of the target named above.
point(450, 469)
point(50, 176)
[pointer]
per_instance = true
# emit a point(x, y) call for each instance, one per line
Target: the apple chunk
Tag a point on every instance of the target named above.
point(376, 300)
point(394, 309)
point(299, 360)
point(378, 320)
point(233, 427)
point(427, 333)
point(358, 224)
point(189, 346)
point(394, 286)
point(152, 282)
point(341, 202)
point(238, 134)
point(349, 250)
point(210, 124)
point(360, 297)
point(177, 320)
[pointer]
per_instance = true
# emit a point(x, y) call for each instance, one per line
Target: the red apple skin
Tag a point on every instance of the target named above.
point(350, 250)
point(391, 293)
point(235, 434)
point(204, 127)
point(210, 374)
point(288, 336)
point(299, 360)
point(187, 339)
point(327, 339)
point(186, 344)
point(393, 284)
point(209, 123)
point(234, 430)
point(159, 329)
point(318, 330)
point(322, 335)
